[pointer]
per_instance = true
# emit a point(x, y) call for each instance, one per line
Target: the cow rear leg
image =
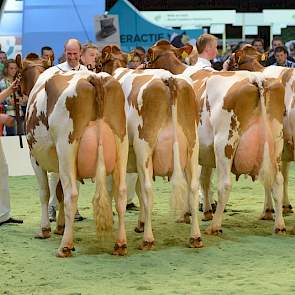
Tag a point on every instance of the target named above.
point(223, 169)
point(120, 194)
point(44, 195)
point(145, 177)
point(60, 222)
point(268, 206)
point(67, 168)
point(205, 181)
point(140, 224)
point(277, 193)
point(195, 240)
point(287, 207)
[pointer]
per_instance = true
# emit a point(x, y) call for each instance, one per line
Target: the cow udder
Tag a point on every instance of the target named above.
point(94, 133)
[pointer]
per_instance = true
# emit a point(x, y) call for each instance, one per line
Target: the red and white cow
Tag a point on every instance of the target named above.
point(240, 127)
point(162, 118)
point(76, 126)
point(247, 58)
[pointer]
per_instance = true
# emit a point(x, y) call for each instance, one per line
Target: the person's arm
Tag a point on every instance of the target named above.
point(6, 92)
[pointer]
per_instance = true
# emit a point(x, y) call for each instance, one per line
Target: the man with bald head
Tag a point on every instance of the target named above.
point(72, 52)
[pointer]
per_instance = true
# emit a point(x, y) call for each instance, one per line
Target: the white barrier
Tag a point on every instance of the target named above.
point(18, 159)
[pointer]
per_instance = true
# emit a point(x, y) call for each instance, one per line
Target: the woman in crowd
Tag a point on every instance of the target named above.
point(9, 73)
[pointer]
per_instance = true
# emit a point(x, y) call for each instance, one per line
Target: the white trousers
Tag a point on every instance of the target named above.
point(4, 192)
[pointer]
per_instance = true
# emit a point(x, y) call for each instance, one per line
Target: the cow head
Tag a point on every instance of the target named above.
point(247, 58)
point(112, 58)
point(30, 69)
point(163, 55)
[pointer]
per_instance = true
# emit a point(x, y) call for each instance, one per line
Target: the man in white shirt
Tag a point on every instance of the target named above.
point(207, 49)
point(72, 52)
point(89, 56)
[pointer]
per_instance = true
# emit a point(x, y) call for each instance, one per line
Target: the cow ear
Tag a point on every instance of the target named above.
point(238, 54)
point(150, 56)
point(115, 49)
point(263, 57)
point(184, 51)
point(18, 60)
point(106, 53)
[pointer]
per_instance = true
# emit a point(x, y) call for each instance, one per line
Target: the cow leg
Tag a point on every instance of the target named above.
point(277, 193)
point(120, 194)
point(268, 207)
point(195, 240)
point(44, 195)
point(287, 207)
point(140, 226)
point(60, 222)
point(223, 169)
point(205, 181)
point(67, 172)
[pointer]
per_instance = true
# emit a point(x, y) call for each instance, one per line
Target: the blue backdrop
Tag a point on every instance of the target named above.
point(52, 22)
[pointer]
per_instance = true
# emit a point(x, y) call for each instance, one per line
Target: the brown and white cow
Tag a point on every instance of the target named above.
point(76, 126)
point(162, 118)
point(247, 58)
point(240, 127)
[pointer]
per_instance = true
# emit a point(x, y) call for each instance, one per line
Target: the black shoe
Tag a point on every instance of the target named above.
point(12, 220)
point(79, 217)
point(132, 207)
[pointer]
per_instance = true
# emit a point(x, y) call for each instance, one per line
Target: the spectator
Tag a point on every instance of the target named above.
point(258, 44)
point(48, 54)
point(3, 59)
point(134, 62)
point(89, 56)
point(9, 73)
point(207, 49)
point(5, 216)
point(280, 54)
point(72, 54)
point(276, 42)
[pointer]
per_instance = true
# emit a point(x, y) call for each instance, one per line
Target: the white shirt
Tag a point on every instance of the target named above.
point(65, 67)
point(203, 63)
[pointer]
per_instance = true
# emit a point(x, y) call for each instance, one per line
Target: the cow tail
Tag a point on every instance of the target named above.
point(266, 172)
point(102, 206)
point(179, 185)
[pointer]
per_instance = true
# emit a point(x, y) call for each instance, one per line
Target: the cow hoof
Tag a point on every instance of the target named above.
point(59, 230)
point(196, 243)
point(64, 252)
point(120, 250)
point(146, 245)
point(213, 231)
point(45, 233)
point(208, 215)
point(139, 228)
point(184, 219)
point(267, 215)
point(287, 209)
point(280, 231)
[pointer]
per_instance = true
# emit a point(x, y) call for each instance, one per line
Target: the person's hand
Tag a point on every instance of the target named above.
point(225, 65)
point(14, 86)
point(7, 120)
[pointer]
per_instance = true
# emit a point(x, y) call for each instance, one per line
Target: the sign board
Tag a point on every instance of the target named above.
point(107, 30)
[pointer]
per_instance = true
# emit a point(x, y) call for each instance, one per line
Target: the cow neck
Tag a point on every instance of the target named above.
point(176, 68)
point(253, 66)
